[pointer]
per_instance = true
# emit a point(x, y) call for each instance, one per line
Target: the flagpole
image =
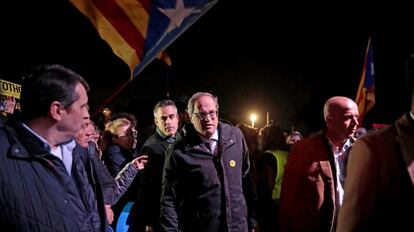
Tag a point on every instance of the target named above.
point(365, 106)
point(121, 87)
point(366, 90)
point(366, 79)
point(167, 80)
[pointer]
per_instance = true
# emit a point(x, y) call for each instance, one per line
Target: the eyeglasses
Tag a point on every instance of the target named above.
point(203, 115)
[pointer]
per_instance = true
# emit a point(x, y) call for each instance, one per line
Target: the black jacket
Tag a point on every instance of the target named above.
point(37, 193)
point(147, 208)
point(116, 158)
point(204, 192)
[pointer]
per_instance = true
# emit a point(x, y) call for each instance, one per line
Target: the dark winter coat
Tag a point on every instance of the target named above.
point(37, 193)
point(206, 192)
point(147, 207)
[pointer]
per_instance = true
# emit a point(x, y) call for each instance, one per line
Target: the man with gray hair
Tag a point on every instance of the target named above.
point(207, 184)
point(146, 211)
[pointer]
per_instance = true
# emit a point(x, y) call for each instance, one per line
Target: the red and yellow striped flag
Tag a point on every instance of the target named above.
point(140, 30)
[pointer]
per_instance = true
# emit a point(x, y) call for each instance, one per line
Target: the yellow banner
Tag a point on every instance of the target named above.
point(10, 89)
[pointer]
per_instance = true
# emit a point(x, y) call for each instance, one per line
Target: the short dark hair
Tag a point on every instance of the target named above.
point(272, 138)
point(409, 74)
point(46, 83)
point(163, 103)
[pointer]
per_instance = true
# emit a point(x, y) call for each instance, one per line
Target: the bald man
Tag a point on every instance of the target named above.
point(312, 188)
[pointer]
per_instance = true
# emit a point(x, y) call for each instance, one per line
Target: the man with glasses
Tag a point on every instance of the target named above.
point(147, 208)
point(207, 185)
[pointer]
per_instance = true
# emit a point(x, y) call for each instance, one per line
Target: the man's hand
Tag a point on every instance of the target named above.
point(10, 105)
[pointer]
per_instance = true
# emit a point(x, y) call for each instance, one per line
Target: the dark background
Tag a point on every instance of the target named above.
point(256, 56)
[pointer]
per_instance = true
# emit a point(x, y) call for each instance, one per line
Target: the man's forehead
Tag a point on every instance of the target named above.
point(166, 108)
point(167, 115)
point(205, 103)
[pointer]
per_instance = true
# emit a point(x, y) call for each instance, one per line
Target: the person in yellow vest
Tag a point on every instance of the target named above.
point(270, 168)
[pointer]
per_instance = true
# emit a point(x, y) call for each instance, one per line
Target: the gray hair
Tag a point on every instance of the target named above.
point(163, 103)
point(196, 96)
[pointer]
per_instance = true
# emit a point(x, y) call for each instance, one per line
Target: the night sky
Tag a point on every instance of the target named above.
point(284, 59)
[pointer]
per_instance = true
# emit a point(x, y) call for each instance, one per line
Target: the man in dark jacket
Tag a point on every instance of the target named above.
point(47, 182)
point(313, 180)
point(379, 189)
point(147, 207)
point(207, 185)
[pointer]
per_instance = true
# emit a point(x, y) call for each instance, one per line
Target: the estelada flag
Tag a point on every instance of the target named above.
point(365, 98)
point(140, 30)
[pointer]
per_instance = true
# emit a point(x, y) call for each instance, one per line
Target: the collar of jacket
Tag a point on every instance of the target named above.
point(193, 141)
point(37, 147)
point(405, 136)
point(168, 139)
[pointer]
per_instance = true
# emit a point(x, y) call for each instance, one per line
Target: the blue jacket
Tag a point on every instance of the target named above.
point(37, 194)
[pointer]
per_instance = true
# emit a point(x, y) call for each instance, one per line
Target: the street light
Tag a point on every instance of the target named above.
point(253, 118)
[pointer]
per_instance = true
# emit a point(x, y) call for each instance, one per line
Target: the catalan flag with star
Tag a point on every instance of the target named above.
point(365, 98)
point(140, 30)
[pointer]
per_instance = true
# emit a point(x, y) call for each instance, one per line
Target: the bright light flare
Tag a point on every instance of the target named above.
point(253, 118)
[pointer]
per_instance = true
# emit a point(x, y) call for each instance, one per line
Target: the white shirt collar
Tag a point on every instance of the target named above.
point(214, 137)
point(70, 144)
point(344, 147)
point(63, 151)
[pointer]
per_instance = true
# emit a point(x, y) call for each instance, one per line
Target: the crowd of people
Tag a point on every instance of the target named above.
point(59, 171)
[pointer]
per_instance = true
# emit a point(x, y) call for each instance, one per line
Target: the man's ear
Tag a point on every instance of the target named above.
point(190, 118)
point(55, 110)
